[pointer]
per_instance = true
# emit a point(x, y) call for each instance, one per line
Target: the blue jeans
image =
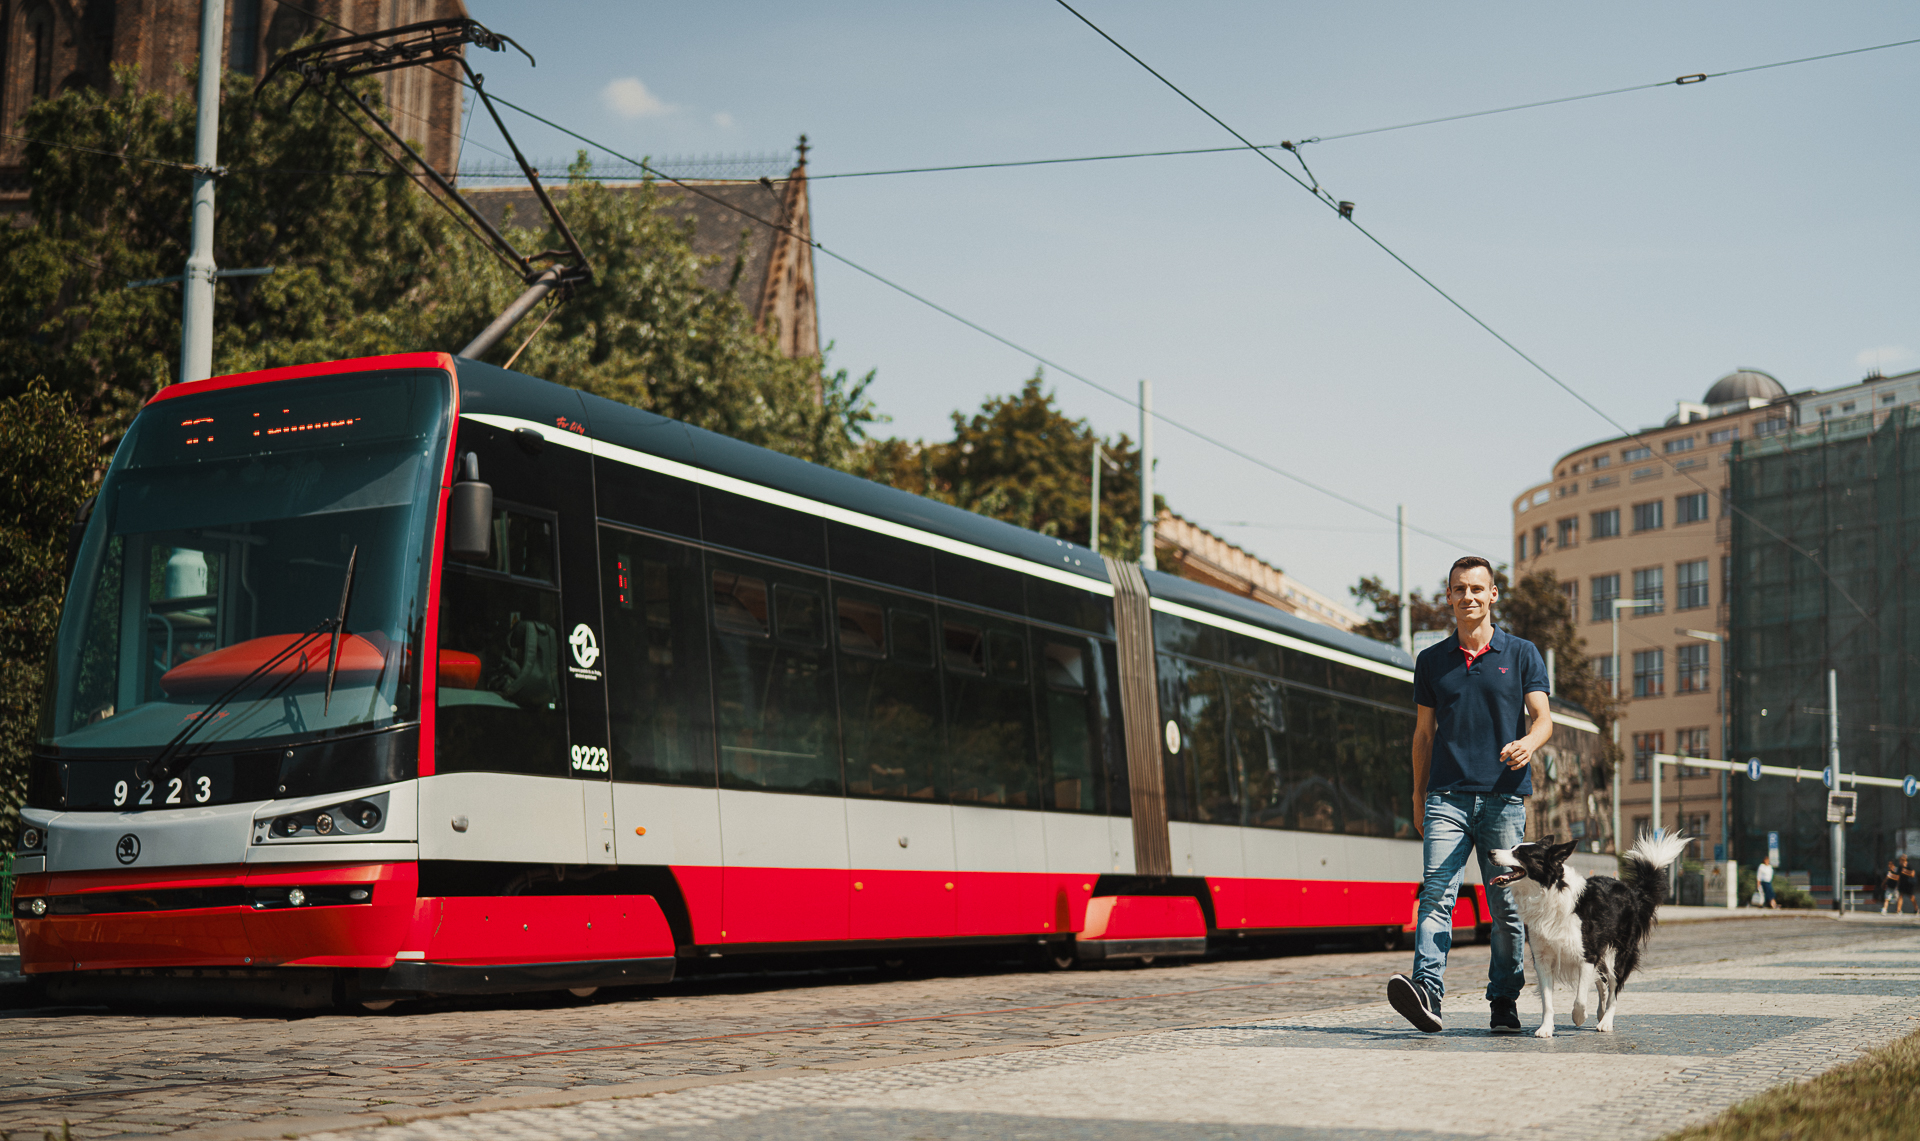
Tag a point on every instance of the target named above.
point(1456, 822)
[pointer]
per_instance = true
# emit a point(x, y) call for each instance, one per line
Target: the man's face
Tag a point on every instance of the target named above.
point(1471, 593)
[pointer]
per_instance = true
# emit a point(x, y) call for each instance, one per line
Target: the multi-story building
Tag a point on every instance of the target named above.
point(1641, 519)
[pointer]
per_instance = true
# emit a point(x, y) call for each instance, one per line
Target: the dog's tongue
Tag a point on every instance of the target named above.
point(1508, 877)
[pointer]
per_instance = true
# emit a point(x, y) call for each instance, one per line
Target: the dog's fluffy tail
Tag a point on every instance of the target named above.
point(1651, 854)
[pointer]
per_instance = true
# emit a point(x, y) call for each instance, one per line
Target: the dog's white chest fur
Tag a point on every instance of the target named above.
point(1552, 927)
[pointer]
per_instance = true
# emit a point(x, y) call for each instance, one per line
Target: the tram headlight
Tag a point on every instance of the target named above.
point(323, 823)
point(365, 815)
point(38, 907)
point(296, 897)
point(31, 839)
point(287, 826)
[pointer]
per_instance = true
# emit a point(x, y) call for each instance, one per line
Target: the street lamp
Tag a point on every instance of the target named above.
point(1726, 728)
point(1620, 604)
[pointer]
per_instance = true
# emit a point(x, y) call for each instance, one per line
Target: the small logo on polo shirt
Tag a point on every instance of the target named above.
point(1503, 669)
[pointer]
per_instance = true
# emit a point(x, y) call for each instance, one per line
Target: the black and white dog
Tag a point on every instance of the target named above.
point(1585, 931)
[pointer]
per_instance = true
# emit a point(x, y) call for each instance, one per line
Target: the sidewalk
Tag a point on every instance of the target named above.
point(1689, 1042)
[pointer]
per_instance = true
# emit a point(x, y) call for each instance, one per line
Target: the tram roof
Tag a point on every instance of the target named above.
point(1199, 595)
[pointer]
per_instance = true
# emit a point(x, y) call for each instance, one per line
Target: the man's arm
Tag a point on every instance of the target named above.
point(1519, 754)
point(1422, 763)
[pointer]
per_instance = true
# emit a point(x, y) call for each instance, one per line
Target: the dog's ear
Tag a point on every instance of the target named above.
point(1545, 841)
point(1561, 851)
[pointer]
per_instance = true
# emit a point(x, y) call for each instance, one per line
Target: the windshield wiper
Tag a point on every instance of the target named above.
point(160, 770)
point(339, 629)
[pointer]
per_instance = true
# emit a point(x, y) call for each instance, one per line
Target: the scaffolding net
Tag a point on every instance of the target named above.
point(1823, 575)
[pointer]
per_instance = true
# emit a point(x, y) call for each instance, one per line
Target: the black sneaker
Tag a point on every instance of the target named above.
point(1506, 1017)
point(1412, 1005)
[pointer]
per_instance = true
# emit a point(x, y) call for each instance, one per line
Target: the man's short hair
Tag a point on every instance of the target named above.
point(1468, 562)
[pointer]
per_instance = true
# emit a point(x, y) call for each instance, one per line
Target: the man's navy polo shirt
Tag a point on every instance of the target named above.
point(1478, 710)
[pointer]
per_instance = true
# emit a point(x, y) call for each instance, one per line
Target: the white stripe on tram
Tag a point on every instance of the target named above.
point(795, 502)
point(1279, 639)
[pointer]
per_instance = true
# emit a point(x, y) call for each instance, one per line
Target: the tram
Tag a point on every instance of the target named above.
point(411, 675)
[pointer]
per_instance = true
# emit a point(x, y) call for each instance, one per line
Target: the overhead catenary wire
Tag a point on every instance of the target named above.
point(1347, 216)
point(1039, 358)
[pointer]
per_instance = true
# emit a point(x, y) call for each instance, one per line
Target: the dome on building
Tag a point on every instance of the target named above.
point(1743, 384)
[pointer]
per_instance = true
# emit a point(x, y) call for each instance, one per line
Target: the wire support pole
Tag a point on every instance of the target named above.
point(544, 283)
point(1839, 827)
point(1093, 504)
point(1147, 560)
point(1400, 531)
point(196, 287)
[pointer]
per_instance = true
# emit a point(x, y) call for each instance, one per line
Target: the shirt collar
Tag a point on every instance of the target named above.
point(1494, 645)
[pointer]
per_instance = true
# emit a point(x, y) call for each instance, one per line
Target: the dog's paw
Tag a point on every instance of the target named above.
point(1545, 1031)
point(1579, 1014)
point(1605, 1025)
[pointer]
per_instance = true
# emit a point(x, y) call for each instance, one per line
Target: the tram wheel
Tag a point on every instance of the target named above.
point(1390, 938)
point(583, 991)
point(376, 1005)
point(1145, 960)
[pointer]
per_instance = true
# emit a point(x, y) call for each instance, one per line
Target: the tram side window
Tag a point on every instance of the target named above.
point(659, 707)
point(889, 695)
point(773, 679)
point(1396, 748)
point(1311, 801)
point(990, 745)
point(1363, 776)
point(1257, 713)
point(500, 699)
point(1202, 782)
point(1072, 733)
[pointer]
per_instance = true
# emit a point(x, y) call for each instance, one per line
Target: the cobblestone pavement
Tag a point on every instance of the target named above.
point(1725, 1005)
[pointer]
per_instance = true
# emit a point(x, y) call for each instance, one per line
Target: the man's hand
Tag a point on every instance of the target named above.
point(1419, 815)
point(1516, 755)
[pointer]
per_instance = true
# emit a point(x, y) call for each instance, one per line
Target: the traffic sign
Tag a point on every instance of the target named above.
point(1841, 807)
point(1826, 776)
point(1753, 768)
point(1910, 786)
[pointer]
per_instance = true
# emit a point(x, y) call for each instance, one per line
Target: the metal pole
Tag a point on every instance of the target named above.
point(1406, 629)
point(196, 288)
point(1093, 512)
point(1839, 827)
point(1146, 475)
point(1656, 792)
point(1617, 849)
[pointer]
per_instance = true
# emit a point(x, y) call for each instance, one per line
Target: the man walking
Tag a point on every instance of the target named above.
point(1481, 712)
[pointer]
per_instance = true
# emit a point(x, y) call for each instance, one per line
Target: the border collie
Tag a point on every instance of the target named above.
point(1581, 930)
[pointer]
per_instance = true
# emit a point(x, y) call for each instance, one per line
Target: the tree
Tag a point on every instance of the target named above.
point(1537, 608)
point(1424, 613)
point(363, 264)
point(1023, 460)
point(46, 469)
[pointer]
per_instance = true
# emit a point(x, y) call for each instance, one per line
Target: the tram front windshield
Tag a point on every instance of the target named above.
point(210, 580)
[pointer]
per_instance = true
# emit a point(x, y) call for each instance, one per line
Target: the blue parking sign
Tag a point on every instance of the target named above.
point(1826, 776)
point(1910, 786)
point(1753, 768)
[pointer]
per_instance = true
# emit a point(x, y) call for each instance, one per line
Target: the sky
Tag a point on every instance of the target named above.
point(1637, 246)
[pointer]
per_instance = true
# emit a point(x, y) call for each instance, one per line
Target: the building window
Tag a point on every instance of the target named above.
point(1693, 674)
point(1570, 532)
point(1520, 547)
point(1650, 586)
point(1646, 473)
point(1645, 745)
point(1649, 673)
point(40, 37)
point(1886, 398)
point(1847, 407)
point(1691, 508)
point(1649, 516)
point(1771, 427)
point(1603, 670)
point(1724, 435)
point(1726, 576)
point(1691, 581)
point(243, 37)
point(1826, 413)
point(1606, 588)
point(1694, 829)
point(1540, 540)
point(1639, 453)
point(1683, 444)
point(1692, 743)
point(1602, 461)
point(1606, 524)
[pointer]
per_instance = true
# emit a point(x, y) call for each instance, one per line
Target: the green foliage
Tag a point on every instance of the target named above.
point(1423, 612)
point(364, 264)
point(1023, 460)
point(46, 469)
point(1537, 609)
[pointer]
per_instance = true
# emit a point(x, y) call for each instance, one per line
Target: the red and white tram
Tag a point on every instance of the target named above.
point(412, 675)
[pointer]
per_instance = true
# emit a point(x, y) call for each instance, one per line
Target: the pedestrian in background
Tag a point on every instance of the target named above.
point(1906, 887)
point(1765, 874)
point(1480, 713)
point(1890, 888)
